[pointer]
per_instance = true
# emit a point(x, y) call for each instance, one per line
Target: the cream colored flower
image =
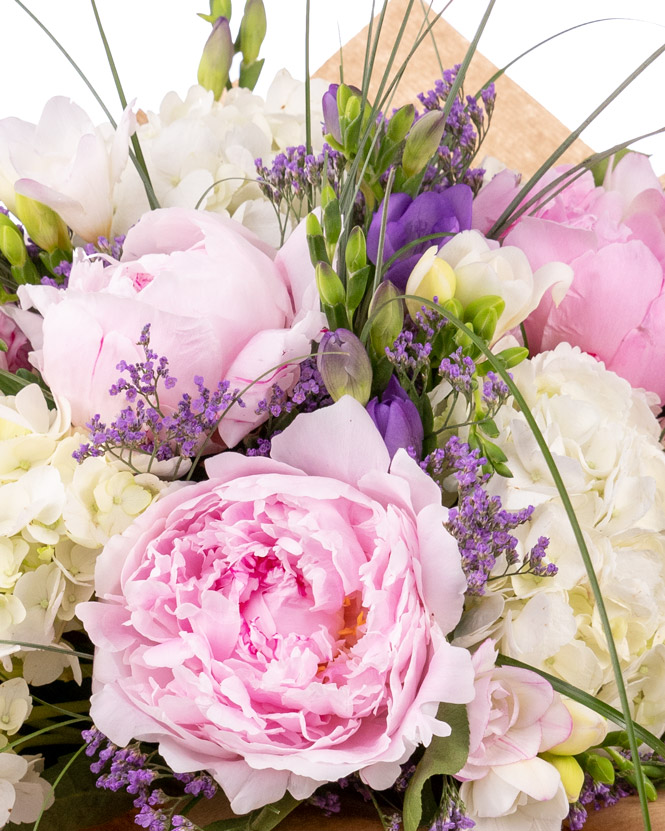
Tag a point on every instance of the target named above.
point(15, 705)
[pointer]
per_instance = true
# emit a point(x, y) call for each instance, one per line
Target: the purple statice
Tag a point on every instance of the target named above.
point(327, 801)
point(466, 127)
point(479, 523)
point(393, 822)
point(111, 248)
point(295, 177)
point(596, 795)
point(409, 357)
point(459, 371)
point(308, 394)
point(402, 781)
point(263, 448)
point(197, 784)
point(495, 391)
point(142, 427)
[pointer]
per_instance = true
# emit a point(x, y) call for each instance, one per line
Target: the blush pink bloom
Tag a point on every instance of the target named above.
point(514, 715)
point(18, 346)
point(613, 237)
point(283, 624)
point(218, 303)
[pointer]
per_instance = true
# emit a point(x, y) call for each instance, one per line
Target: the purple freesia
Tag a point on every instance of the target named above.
point(408, 219)
point(331, 113)
point(397, 419)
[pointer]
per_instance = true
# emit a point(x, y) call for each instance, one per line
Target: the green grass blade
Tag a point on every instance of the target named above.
point(308, 89)
point(506, 216)
point(140, 160)
point(426, 12)
point(29, 645)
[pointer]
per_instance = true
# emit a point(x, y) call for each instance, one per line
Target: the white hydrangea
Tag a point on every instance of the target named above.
point(202, 150)
point(605, 440)
point(55, 516)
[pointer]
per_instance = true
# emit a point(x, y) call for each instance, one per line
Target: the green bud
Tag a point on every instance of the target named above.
point(344, 366)
point(599, 768)
point(44, 226)
point(352, 109)
point(356, 283)
point(484, 323)
point(12, 245)
point(3, 346)
point(344, 93)
point(252, 30)
point(453, 306)
point(216, 60)
point(422, 142)
point(332, 221)
point(488, 301)
point(387, 315)
point(355, 255)
point(513, 356)
point(331, 288)
point(249, 74)
point(315, 241)
point(600, 168)
point(26, 273)
point(220, 8)
point(649, 787)
point(400, 124)
point(462, 338)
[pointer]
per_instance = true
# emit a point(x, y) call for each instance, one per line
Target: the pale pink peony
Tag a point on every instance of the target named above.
point(283, 624)
point(614, 239)
point(18, 346)
point(218, 304)
point(514, 715)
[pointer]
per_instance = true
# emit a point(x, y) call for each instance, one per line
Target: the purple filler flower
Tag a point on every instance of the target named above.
point(397, 419)
point(444, 213)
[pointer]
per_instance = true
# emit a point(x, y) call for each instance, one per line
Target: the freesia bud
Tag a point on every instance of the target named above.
point(331, 113)
point(344, 366)
point(216, 60)
point(252, 30)
point(572, 775)
point(432, 277)
point(400, 124)
point(397, 419)
point(589, 730)
point(220, 8)
point(331, 288)
point(387, 315)
point(422, 142)
point(12, 246)
point(356, 250)
point(44, 226)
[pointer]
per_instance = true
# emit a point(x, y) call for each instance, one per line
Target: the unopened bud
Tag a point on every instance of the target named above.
point(331, 113)
point(356, 250)
point(400, 124)
point(44, 226)
point(12, 244)
point(331, 288)
point(422, 142)
point(432, 277)
point(344, 366)
point(572, 775)
point(216, 60)
point(589, 730)
point(252, 30)
point(387, 315)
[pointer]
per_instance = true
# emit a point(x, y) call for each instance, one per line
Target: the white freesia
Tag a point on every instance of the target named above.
point(506, 803)
point(199, 150)
point(483, 268)
point(64, 162)
point(604, 438)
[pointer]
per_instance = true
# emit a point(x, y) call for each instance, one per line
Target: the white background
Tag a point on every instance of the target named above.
point(157, 45)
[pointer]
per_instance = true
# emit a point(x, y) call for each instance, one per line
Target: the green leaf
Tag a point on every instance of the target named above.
point(270, 816)
point(445, 755)
point(241, 823)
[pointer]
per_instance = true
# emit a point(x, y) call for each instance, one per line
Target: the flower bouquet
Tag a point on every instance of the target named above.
point(332, 484)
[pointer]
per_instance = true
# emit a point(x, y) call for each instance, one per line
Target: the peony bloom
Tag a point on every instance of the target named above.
point(217, 303)
point(283, 624)
point(514, 716)
point(64, 162)
point(613, 237)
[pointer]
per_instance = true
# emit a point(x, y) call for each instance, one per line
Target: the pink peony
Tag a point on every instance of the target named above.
point(18, 346)
point(614, 239)
point(514, 716)
point(283, 624)
point(218, 304)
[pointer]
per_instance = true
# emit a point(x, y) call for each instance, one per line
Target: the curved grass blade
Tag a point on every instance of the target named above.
point(590, 701)
point(28, 645)
point(506, 216)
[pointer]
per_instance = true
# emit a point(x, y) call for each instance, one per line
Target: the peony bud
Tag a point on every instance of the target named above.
point(397, 419)
point(589, 730)
point(216, 60)
point(44, 226)
point(432, 277)
point(252, 30)
point(422, 142)
point(344, 366)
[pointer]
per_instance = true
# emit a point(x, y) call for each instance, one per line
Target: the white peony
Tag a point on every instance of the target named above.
point(604, 438)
